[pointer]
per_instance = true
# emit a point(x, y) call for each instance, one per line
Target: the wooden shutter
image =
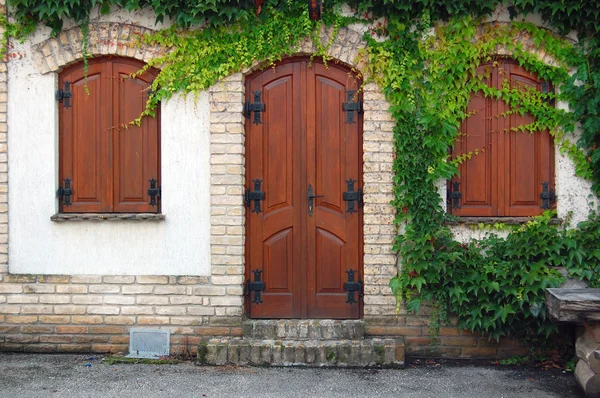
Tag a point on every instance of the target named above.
point(505, 179)
point(108, 161)
point(135, 148)
point(529, 158)
point(477, 176)
point(83, 142)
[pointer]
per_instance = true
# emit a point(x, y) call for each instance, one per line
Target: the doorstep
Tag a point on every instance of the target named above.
point(303, 343)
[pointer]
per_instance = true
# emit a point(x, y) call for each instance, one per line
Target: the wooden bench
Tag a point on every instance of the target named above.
point(581, 306)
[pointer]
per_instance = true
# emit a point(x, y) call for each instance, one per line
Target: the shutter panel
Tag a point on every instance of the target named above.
point(110, 166)
point(135, 148)
point(477, 176)
point(506, 179)
point(83, 146)
point(529, 158)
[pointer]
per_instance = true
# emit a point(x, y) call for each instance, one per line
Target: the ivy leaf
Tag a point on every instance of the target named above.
point(414, 305)
point(417, 282)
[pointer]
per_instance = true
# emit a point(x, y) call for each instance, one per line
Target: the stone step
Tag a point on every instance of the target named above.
point(309, 353)
point(303, 329)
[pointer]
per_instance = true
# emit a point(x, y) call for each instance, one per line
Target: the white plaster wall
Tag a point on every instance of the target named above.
point(180, 245)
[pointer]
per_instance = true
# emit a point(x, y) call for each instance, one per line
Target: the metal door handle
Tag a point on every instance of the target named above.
point(311, 196)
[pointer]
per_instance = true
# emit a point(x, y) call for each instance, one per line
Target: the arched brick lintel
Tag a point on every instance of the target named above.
point(121, 39)
point(344, 49)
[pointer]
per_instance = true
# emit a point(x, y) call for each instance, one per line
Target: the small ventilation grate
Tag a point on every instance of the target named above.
point(149, 343)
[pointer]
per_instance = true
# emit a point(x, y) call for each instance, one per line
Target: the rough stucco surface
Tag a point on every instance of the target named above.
point(137, 262)
point(175, 246)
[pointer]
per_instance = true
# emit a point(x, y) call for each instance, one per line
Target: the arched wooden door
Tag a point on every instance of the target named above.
point(304, 152)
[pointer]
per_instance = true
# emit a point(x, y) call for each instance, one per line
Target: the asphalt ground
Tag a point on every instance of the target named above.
point(44, 375)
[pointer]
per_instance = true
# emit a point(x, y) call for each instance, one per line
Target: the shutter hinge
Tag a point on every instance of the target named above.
point(64, 96)
point(257, 287)
point(548, 196)
point(257, 107)
point(548, 88)
point(454, 195)
point(154, 192)
point(257, 195)
point(351, 286)
point(353, 104)
point(352, 196)
point(64, 194)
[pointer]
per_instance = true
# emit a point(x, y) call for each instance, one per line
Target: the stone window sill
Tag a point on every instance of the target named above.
point(63, 217)
point(496, 220)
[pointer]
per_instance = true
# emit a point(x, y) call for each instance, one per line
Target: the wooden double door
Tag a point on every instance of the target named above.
point(306, 154)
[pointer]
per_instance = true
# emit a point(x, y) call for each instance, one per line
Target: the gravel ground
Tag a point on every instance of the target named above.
point(42, 375)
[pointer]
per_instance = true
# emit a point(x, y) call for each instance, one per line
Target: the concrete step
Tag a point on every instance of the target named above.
point(303, 329)
point(308, 353)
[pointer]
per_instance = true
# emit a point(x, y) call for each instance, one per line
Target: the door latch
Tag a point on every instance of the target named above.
point(311, 197)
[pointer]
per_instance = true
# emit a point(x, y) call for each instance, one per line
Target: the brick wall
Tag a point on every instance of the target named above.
point(87, 313)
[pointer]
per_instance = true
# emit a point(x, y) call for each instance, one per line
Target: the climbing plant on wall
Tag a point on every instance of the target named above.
point(423, 54)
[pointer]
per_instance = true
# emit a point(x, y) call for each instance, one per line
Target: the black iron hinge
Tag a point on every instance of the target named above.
point(257, 287)
point(353, 286)
point(548, 88)
point(548, 196)
point(454, 195)
point(254, 196)
point(351, 196)
point(64, 95)
point(257, 107)
point(353, 104)
point(154, 192)
point(64, 194)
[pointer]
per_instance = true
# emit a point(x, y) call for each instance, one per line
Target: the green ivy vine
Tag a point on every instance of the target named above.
point(426, 65)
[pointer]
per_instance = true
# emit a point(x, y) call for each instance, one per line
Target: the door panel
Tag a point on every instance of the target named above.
point(333, 157)
point(303, 140)
point(274, 242)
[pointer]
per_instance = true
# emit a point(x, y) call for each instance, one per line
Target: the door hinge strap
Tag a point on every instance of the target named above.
point(257, 107)
point(257, 195)
point(454, 195)
point(548, 196)
point(353, 104)
point(351, 196)
point(548, 88)
point(353, 286)
point(64, 194)
point(154, 192)
point(64, 95)
point(257, 287)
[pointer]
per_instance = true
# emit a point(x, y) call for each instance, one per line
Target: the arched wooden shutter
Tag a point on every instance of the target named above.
point(108, 161)
point(505, 178)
